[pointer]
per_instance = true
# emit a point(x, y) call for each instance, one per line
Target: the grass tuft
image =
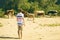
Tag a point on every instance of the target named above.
point(52, 25)
point(1, 25)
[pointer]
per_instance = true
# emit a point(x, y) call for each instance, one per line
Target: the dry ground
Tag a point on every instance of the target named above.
point(31, 31)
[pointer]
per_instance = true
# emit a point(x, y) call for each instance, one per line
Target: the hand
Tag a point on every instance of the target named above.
point(24, 23)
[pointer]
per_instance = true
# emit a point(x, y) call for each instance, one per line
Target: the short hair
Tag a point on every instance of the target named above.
point(20, 10)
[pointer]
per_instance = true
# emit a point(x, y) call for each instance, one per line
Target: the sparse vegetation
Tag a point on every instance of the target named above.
point(1, 13)
point(49, 25)
point(1, 24)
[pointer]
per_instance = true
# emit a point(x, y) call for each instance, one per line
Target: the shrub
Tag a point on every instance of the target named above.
point(1, 25)
point(1, 13)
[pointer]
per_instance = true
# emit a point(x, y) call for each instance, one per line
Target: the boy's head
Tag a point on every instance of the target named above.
point(20, 10)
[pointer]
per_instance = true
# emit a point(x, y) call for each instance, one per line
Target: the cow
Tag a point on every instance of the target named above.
point(39, 13)
point(31, 16)
point(9, 13)
point(52, 12)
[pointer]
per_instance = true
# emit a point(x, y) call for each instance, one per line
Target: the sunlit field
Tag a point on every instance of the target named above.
point(43, 28)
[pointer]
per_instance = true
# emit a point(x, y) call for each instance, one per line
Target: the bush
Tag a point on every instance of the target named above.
point(1, 25)
point(59, 13)
point(1, 13)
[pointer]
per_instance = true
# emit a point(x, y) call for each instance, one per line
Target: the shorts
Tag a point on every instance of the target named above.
point(20, 24)
point(19, 27)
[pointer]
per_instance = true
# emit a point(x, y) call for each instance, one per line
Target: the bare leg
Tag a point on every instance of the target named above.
point(20, 32)
point(33, 20)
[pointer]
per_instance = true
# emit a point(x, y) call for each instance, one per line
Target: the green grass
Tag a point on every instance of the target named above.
point(52, 25)
point(1, 25)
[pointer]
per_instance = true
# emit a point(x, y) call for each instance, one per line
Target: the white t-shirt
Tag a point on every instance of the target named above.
point(20, 17)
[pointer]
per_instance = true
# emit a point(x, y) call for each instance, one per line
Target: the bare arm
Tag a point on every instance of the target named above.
point(24, 21)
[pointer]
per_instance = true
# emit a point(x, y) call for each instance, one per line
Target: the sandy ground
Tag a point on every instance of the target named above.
point(31, 31)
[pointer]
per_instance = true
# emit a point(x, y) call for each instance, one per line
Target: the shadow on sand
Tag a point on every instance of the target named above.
point(8, 37)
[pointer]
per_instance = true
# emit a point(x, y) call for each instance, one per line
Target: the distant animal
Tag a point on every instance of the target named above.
point(31, 16)
point(52, 12)
point(9, 13)
point(39, 13)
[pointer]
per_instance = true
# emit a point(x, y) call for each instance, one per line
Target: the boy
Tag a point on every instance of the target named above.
point(20, 21)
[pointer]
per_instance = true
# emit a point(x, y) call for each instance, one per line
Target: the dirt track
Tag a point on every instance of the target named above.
point(31, 31)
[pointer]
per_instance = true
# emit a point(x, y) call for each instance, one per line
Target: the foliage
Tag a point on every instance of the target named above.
point(1, 13)
point(1, 25)
point(50, 25)
point(30, 5)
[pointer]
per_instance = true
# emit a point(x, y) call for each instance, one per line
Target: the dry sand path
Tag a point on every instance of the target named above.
point(31, 31)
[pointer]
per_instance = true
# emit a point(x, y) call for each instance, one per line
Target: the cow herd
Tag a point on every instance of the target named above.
point(10, 13)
